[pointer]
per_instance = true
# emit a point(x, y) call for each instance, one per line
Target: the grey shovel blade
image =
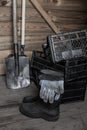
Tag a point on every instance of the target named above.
point(21, 81)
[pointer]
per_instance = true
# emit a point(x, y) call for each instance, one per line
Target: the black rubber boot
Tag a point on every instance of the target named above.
point(39, 109)
point(30, 99)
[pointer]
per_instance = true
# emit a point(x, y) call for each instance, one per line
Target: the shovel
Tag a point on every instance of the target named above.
point(17, 67)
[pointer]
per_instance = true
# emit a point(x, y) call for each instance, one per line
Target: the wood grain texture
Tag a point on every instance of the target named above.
point(66, 15)
point(45, 16)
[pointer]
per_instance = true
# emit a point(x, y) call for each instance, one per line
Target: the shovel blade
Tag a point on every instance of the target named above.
point(23, 79)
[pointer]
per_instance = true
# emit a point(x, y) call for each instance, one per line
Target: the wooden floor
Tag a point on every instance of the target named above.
point(73, 116)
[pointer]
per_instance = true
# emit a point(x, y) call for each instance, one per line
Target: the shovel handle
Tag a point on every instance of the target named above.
point(15, 36)
point(16, 58)
point(15, 22)
point(23, 27)
point(23, 22)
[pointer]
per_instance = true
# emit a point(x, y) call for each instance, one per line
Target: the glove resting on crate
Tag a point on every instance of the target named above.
point(51, 86)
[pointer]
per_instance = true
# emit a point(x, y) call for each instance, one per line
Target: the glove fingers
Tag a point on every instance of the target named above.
point(51, 90)
point(57, 96)
point(42, 92)
point(46, 96)
point(51, 96)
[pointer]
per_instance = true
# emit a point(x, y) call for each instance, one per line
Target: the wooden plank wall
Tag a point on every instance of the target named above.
point(68, 15)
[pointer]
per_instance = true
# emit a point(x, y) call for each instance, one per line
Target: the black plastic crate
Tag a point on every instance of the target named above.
point(73, 69)
point(73, 95)
point(67, 45)
point(39, 62)
point(73, 99)
point(75, 85)
point(74, 91)
point(76, 68)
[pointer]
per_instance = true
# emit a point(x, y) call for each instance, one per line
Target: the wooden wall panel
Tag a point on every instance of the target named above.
point(68, 15)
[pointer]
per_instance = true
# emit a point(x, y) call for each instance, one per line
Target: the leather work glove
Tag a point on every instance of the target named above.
point(51, 90)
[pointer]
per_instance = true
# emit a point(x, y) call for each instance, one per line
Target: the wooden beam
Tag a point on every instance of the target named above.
point(45, 16)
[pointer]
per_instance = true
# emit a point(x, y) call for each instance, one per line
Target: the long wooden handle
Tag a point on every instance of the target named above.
point(45, 16)
point(16, 55)
point(23, 22)
point(15, 37)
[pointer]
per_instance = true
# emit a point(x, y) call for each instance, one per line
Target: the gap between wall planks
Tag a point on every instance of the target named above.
point(67, 15)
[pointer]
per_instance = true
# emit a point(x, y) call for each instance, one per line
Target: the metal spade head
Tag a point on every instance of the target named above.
point(23, 79)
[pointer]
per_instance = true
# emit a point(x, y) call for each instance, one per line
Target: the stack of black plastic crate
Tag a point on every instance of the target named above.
point(75, 80)
point(71, 49)
point(66, 53)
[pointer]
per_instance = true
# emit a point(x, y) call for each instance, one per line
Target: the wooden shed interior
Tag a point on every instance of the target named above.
point(46, 18)
point(64, 15)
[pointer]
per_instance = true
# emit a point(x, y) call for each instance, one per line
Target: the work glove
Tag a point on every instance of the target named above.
point(51, 87)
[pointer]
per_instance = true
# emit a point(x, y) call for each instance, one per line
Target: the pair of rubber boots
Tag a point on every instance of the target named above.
point(34, 107)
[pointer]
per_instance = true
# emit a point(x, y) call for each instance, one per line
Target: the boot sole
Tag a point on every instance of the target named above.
point(43, 115)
